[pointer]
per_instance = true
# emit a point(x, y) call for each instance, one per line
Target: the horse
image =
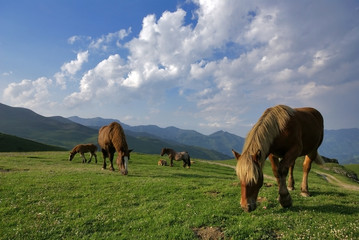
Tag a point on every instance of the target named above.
point(282, 134)
point(162, 162)
point(84, 148)
point(111, 139)
point(173, 155)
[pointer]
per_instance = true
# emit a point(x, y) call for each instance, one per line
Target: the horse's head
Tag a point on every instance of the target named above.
point(163, 152)
point(72, 154)
point(122, 161)
point(251, 177)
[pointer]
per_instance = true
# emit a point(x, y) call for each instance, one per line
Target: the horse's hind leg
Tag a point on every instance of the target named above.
point(274, 163)
point(111, 161)
point(307, 165)
point(90, 157)
point(95, 157)
point(291, 178)
point(104, 154)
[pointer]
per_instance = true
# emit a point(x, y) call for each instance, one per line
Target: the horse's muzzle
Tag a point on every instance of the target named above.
point(250, 207)
point(124, 172)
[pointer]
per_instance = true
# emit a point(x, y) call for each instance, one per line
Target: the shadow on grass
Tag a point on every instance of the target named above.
point(325, 208)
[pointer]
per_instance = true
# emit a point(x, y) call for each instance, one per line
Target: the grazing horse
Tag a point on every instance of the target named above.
point(280, 133)
point(177, 156)
point(162, 162)
point(111, 138)
point(84, 148)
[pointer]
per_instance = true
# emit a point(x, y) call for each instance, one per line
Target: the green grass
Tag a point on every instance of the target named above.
point(353, 167)
point(44, 196)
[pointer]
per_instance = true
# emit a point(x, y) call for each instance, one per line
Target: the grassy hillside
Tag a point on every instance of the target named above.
point(150, 145)
point(9, 143)
point(44, 196)
point(56, 131)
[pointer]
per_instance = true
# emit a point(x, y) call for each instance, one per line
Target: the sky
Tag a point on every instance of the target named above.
point(205, 65)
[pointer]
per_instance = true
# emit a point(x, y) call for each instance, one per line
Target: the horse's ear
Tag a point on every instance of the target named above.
point(236, 155)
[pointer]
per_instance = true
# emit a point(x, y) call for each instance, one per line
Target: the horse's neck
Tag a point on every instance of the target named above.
point(172, 153)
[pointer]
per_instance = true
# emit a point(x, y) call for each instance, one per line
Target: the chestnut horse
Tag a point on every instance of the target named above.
point(111, 138)
point(280, 133)
point(84, 148)
point(173, 155)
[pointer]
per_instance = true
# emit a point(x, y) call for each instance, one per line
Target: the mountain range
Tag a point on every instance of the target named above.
point(66, 132)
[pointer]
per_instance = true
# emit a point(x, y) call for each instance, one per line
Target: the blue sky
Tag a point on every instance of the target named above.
point(195, 64)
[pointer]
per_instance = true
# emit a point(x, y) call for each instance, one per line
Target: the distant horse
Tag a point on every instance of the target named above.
point(177, 156)
point(84, 148)
point(281, 132)
point(111, 139)
point(162, 162)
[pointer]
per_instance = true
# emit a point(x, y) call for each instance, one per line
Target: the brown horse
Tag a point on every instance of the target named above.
point(173, 155)
point(111, 138)
point(162, 162)
point(84, 148)
point(281, 132)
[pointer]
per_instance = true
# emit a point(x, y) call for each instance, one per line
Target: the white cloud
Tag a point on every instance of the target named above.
point(235, 59)
point(27, 93)
point(75, 65)
point(100, 83)
point(7, 73)
point(71, 68)
point(104, 41)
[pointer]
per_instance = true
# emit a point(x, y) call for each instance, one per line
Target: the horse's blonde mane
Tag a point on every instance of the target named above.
point(260, 137)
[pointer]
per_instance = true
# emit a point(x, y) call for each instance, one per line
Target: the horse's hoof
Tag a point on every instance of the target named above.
point(285, 201)
point(305, 194)
point(103, 168)
point(290, 188)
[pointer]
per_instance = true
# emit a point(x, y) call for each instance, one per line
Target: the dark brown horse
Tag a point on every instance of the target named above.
point(111, 139)
point(173, 155)
point(280, 133)
point(84, 148)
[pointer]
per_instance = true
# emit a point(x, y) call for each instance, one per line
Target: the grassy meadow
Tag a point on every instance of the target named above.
point(44, 196)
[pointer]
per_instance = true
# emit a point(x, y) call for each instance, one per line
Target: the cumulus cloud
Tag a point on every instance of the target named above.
point(99, 83)
point(234, 59)
point(71, 68)
point(28, 93)
point(278, 57)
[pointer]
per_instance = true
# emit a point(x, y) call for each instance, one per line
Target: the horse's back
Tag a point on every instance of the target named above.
point(112, 134)
point(103, 136)
point(312, 127)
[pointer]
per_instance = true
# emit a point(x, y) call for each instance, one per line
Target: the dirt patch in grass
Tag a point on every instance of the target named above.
point(212, 193)
point(209, 233)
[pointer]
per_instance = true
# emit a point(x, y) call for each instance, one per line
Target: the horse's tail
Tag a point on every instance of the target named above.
point(319, 160)
point(189, 160)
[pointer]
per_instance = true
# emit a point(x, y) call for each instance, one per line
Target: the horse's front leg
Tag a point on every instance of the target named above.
point(284, 197)
point(288, 160)
point(171, 162)
point(83, 158)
